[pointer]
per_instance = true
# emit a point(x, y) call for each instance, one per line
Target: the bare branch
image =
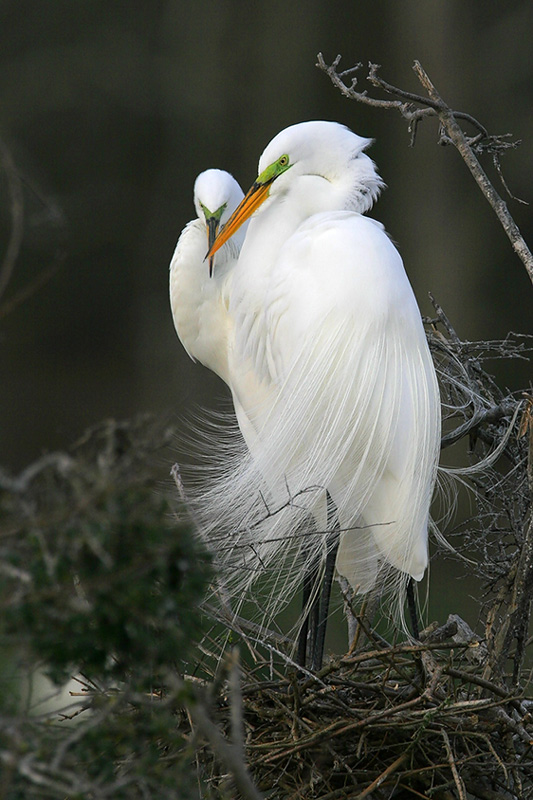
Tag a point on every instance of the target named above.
point(19, 484)
point(413, 108)
point(481, 417)
point(458, 138)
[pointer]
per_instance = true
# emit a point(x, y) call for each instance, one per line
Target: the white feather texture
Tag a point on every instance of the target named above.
point(333, 384)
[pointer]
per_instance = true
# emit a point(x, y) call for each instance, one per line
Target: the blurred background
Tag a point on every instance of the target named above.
point(109, 111)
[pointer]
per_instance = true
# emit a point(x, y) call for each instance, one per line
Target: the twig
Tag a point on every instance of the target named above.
point(475, 679)
point(453, 766)
point(481, 417)
point(235, 691)
point(383, 777)
point(516, 614)
point(62, 462)
point(447, 118)
point(339, 729)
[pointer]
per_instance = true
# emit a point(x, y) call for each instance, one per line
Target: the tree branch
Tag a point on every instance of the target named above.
point(413, 108)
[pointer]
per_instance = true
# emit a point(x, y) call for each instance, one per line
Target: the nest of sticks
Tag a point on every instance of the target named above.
point(386, 721)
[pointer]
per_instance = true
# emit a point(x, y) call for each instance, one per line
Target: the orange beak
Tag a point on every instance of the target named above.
point(250, 203)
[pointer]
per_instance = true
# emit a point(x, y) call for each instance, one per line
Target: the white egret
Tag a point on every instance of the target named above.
point(198, 299)
point(329, 366)
point(199, 294)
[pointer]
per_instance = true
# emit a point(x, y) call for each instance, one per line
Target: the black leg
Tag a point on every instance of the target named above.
point(307, 590)
point(310, 612)
point(314, 617)
point(333, 529)
point(412, 608)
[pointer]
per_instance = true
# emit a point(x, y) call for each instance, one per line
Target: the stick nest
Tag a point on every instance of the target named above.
point(403, 721)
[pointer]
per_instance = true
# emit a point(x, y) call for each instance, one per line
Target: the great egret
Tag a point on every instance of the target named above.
point(198, 302)
point(329, 366)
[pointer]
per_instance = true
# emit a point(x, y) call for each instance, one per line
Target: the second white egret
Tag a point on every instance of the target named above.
point(198, 298)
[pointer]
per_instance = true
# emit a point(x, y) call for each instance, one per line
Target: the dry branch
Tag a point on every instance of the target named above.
point(414, 108)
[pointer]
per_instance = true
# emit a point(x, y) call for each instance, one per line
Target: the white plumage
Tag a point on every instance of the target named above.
point(332, 379)
point(199, 303)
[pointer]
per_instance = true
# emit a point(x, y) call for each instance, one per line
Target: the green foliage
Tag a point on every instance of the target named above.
point(99, 579)
point(112, 586)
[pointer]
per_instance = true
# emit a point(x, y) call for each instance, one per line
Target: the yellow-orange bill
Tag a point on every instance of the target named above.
point(250, 202)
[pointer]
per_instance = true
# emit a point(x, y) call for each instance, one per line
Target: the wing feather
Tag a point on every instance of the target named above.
point(335, 390)
point(355, 405)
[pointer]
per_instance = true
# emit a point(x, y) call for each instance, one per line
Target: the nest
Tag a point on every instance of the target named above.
point(387, 721)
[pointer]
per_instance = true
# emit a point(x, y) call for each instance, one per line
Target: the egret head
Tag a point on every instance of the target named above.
point(216, 196)
point(343, 176)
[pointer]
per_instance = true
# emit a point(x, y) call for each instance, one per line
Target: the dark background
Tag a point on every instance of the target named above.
point(111, 109)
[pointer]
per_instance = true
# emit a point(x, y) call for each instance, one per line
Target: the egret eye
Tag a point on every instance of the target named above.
point(283, 161)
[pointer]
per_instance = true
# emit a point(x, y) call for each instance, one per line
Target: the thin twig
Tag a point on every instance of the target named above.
point(481, 417)
point(235, 691)
point(446, 116)
point(383, 777)
point(453, 766)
